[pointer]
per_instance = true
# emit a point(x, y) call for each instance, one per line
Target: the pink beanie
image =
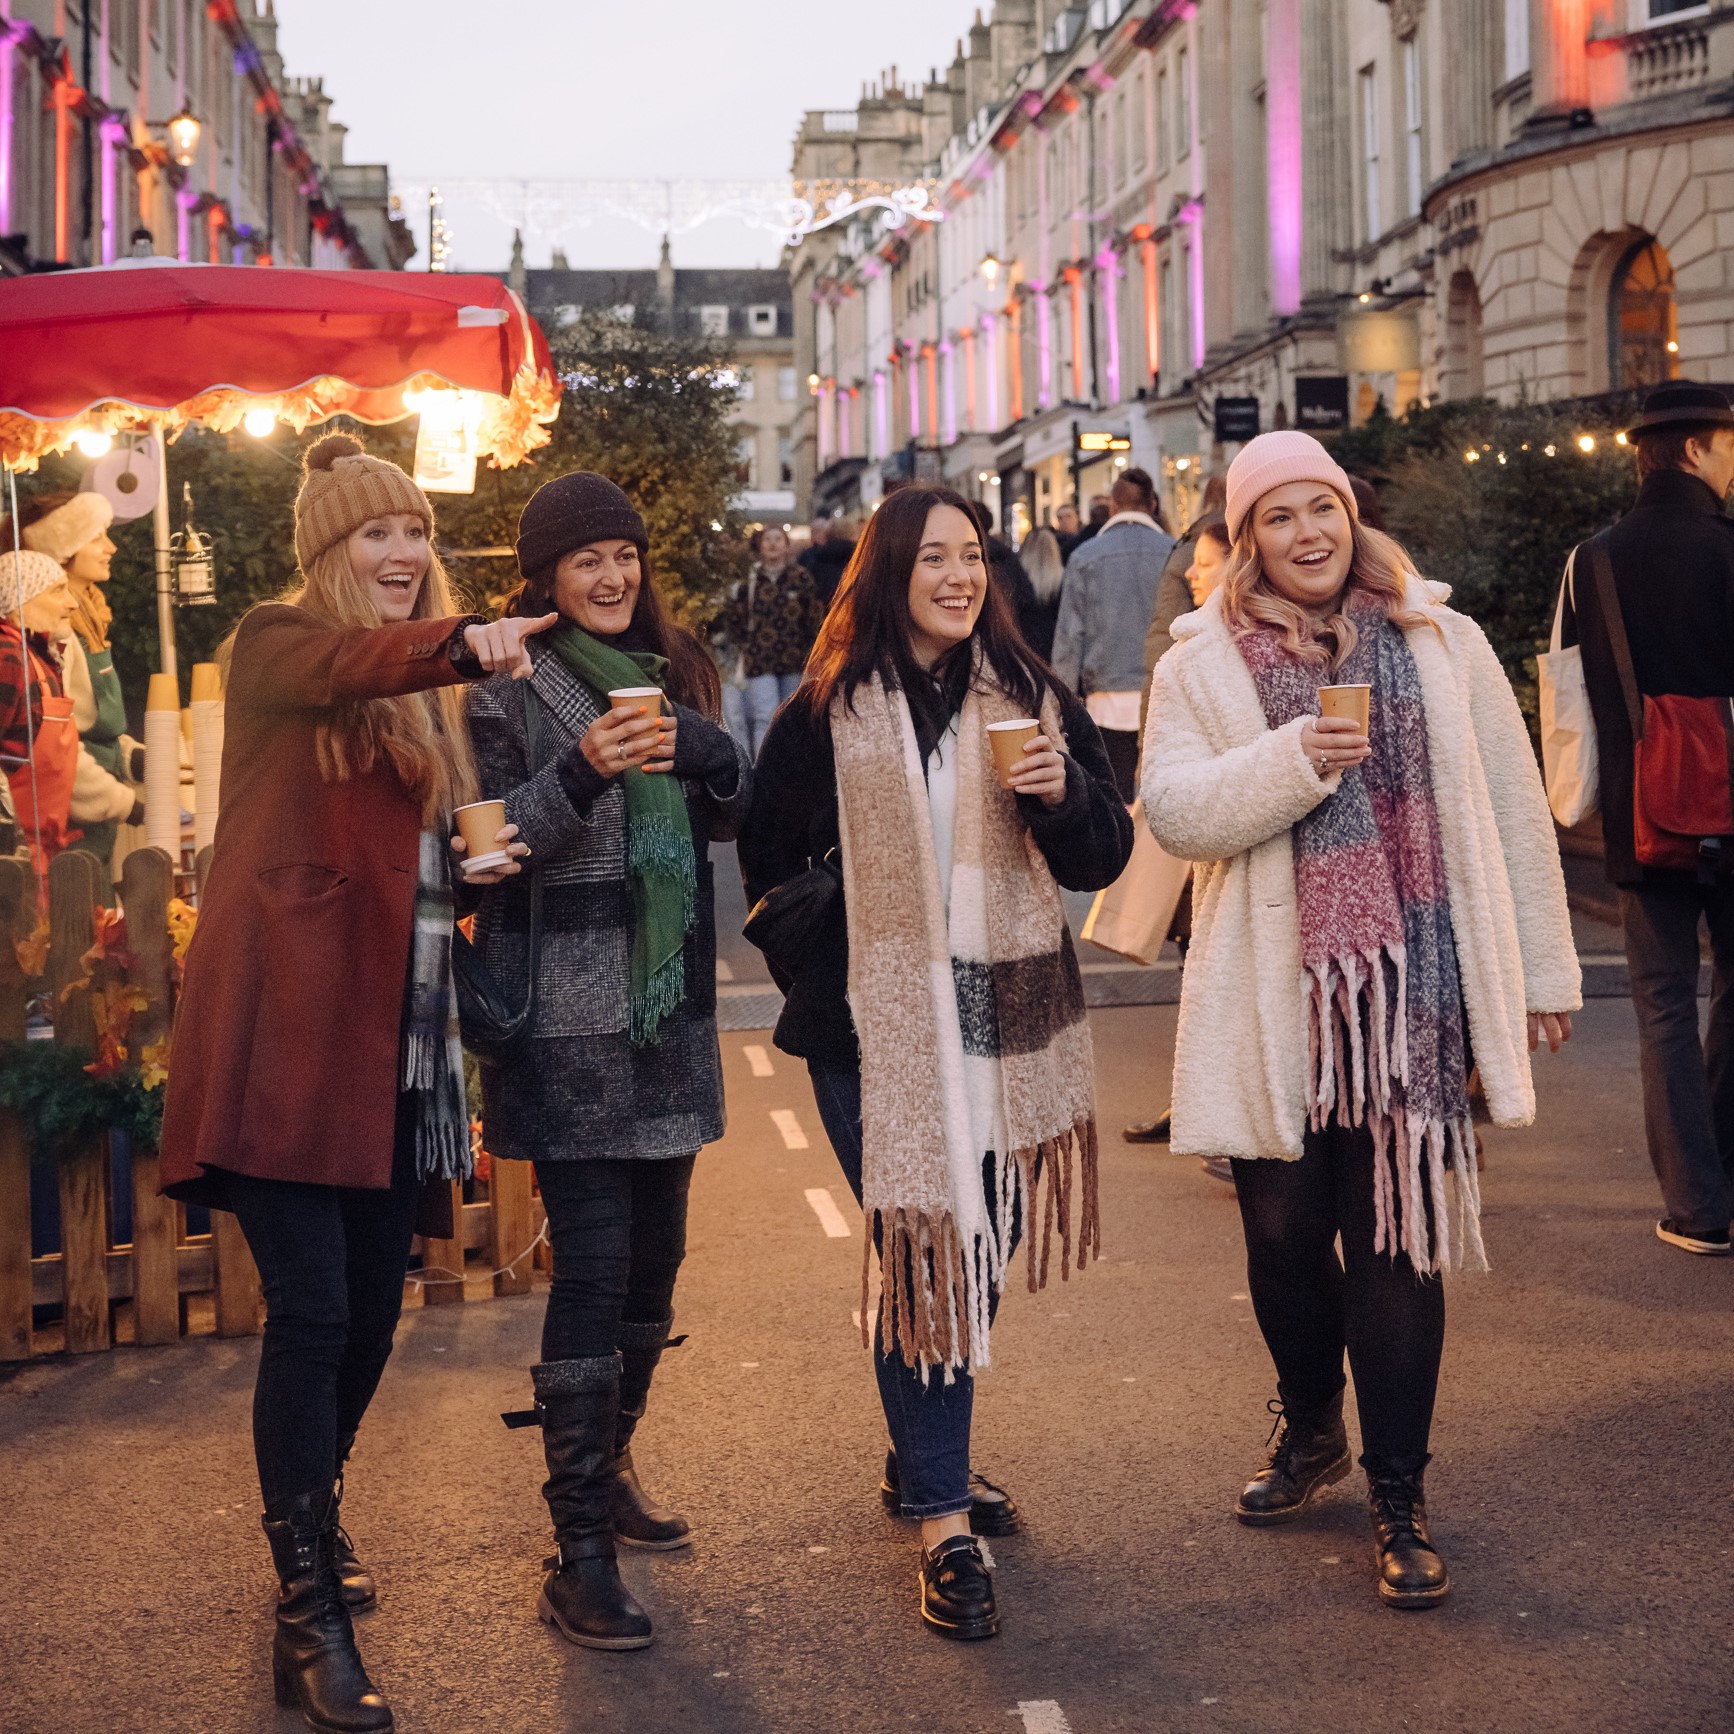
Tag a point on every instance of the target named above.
point(1274, 459)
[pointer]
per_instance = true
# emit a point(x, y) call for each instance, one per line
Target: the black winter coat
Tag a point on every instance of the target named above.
point(1673, 563)
point(792, 825)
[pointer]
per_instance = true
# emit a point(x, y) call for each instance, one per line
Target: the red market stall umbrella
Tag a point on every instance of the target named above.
point(154, 344)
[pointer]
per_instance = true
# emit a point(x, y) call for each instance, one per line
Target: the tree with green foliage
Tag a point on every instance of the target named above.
point(648, 409)
point(1491, 498)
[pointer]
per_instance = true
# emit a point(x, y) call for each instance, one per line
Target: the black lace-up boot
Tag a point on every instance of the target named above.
point(582, 1596)
point(315, 1666)
point(1308, 1450)
point(1411, 1573)
point(360, 1592)
point(638, 1520)
point(957, 1589)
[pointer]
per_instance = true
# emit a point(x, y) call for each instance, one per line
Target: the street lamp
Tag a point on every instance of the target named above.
point(990, 270)
point(184, 130)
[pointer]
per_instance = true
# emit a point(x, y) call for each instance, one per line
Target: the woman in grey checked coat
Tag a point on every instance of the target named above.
point(622, 1083)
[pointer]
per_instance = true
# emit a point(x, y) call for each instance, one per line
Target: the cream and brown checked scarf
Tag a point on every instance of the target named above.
point(989, 1018)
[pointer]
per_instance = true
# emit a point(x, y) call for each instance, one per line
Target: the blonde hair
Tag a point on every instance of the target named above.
point(1379, 567)
point(421, 735)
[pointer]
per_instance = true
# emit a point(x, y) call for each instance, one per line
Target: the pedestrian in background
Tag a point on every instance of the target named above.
point(621, 1080)
point(1068, 527)
point(38, 737)
point(1323, 1039)
point(828, 557)
point(72, 529)
point(1174, 589)
point(1105, 610)
point(879, 815)
point(1670, 562)
point(1045, 567)
point(770, 623)
point(318, 1083)
point(1101, 509)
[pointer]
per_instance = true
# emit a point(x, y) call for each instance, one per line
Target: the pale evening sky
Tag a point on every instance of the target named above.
point(700, 89)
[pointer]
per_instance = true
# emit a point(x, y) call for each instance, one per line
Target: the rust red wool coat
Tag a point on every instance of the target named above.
point(286, 1047)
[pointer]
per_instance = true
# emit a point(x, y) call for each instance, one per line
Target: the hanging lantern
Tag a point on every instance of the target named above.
point(184, 130)
point(192, 559)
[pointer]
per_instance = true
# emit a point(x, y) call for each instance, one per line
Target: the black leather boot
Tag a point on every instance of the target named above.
point(638, 1520)
point(582, 1596)
point(1310, 1451)
point(957, 1590)
point(1411, 1573)
point(315, 1666)
point(992, 1511)
point(360, 1592)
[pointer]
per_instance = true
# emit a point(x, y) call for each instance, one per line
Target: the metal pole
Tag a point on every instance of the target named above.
point(165, 588)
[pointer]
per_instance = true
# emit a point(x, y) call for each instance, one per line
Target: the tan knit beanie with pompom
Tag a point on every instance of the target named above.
point(342, 488)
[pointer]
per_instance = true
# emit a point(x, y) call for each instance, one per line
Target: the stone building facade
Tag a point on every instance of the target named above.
point(1169, 222)
point(747, 311)
point(87, 89)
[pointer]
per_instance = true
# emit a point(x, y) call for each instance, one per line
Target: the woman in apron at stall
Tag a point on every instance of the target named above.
point(38, 737)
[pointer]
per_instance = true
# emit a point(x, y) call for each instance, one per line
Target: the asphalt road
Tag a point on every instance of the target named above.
point(1580, 1487)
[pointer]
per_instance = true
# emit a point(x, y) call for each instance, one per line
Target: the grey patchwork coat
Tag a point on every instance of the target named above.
point(585, 1091)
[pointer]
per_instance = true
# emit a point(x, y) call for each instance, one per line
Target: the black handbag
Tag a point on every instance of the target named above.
point(789, 920)
point(492, 1029)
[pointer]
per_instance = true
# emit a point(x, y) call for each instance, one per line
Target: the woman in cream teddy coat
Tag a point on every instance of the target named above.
point(1224, 788)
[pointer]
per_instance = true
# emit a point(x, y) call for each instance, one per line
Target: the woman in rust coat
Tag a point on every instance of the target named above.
point(317, 1082)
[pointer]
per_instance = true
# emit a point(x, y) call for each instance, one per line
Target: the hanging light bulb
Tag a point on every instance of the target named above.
point(1586, 442)
point(93, 442)
point(259, 422)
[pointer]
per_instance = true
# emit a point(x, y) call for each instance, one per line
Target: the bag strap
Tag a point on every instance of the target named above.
point(1567, 592)
point(1602, 570)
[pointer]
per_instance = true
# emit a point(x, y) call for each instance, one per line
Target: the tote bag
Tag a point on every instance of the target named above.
point(1132, 916)
point(1570, 758)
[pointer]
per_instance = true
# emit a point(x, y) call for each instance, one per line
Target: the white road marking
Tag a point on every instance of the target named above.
point(987, 1558)
point(785, 1122)
point(830, 1217)
point(758, 1059)
point(1043, 1716)
point(723, 971)
point(855, 1317)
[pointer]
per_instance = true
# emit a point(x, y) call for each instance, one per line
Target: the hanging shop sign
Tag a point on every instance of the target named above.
point(1236, 420)
point(1099, 442)
point(1321, 403)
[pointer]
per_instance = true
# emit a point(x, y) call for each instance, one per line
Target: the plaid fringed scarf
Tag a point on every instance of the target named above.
point(433, 1053)
point(1386, 1037)
point(982, 1027)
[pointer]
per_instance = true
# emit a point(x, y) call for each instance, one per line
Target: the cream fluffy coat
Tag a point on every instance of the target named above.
point(1223, 789)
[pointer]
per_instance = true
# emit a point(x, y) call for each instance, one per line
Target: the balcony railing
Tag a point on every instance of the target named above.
point(1664, 61)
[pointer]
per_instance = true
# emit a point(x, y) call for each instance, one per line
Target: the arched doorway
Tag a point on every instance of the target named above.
point(1643, 343)
point(1463, 354)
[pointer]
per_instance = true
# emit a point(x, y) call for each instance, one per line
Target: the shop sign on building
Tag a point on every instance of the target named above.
point(1321, 402)
point(1236, 420)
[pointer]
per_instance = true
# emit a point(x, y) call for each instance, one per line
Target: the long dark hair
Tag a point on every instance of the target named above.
point(692, 675)
point(866, 632)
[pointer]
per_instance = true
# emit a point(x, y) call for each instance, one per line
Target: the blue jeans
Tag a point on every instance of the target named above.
point(748, 709)
point(928, 1421)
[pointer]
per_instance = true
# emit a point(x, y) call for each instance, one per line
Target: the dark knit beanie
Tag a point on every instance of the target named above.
point(572, 512)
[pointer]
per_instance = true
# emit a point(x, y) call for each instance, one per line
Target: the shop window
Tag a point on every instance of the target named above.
point(1643, 345)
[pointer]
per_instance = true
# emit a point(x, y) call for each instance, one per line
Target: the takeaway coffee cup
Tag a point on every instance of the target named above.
point(640, 698)
point(1353, 702)
point(1008, 740)
point(480, 825)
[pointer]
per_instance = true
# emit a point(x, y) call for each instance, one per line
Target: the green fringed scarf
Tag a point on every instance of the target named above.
point(659, 853)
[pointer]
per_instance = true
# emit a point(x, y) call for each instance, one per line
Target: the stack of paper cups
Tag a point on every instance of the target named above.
point(207, 751)
point(163, 766)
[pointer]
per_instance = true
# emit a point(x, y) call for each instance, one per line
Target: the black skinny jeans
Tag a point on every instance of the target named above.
point(1310, 1307)
point(331, 1262)
point(618, 1230)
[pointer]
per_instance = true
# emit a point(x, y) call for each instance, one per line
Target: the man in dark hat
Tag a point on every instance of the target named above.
point(1672, 562)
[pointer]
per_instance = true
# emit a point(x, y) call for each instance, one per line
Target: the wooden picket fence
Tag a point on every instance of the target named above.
point(166, 1283)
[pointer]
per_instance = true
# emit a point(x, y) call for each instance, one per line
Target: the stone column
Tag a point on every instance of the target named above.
point(1558, 66)
point(1325, 170)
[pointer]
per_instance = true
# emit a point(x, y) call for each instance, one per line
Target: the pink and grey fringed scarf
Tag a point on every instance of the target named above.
point(1387, 1041)
point(976, 1067)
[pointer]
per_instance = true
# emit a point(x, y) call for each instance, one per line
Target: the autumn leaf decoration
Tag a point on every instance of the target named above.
point(113, 999)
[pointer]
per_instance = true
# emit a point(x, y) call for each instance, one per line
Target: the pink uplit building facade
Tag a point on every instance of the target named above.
point(87, 88)
point(1324, 207)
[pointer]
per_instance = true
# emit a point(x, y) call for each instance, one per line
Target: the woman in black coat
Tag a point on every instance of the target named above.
point(918, 652)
